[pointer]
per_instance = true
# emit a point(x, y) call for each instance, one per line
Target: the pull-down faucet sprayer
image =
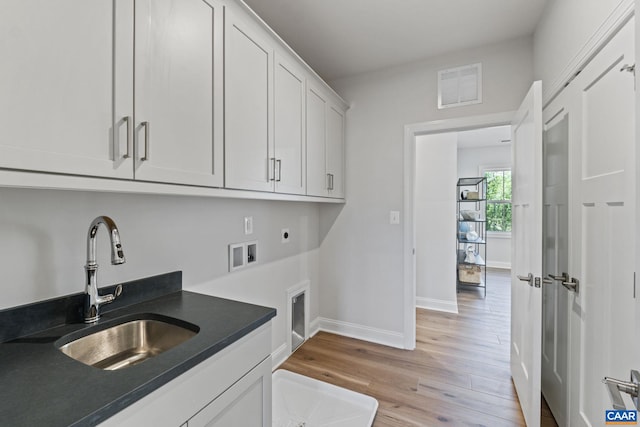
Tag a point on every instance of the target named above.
point(93, 301)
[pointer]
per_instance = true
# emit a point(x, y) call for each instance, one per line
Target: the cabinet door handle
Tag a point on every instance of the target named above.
point(272, 172)
point(331, 175)
point(127, 120)
point(279, 165)
point(146, 127)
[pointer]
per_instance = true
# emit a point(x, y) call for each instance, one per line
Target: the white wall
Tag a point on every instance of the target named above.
point(43, 245)
point(565, 28)
point(435, 221)
point(470, 161)
point(361, 254)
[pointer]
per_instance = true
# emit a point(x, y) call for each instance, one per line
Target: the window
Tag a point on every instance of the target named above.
point(498, 200)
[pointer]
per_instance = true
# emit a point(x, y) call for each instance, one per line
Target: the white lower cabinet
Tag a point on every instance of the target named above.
point(246, 403)
point(232, 388)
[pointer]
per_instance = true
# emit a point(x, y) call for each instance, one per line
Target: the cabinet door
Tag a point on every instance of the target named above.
point(246, 403)
point(335, 151)
point(249, 158)
point(289, 128)
point(57, 85)
point(317, 179)
point(178, 91)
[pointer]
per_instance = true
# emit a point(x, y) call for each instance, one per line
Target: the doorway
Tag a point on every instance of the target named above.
point(465, 126)
point(442, 159)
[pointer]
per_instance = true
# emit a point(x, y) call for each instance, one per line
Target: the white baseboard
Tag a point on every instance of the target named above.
point(314, 327)
point(498, 264)
point(436, 304)
point(279, 356)
point(365, 333)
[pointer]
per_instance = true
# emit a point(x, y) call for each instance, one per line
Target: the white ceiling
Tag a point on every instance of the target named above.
point(338, 38)
point(485, 137)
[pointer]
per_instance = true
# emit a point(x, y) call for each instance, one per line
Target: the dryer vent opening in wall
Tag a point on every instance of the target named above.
point(298, 330)
point(460, 86)
point(298, 315)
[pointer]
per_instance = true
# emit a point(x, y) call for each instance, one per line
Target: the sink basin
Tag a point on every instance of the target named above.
point(129, 342)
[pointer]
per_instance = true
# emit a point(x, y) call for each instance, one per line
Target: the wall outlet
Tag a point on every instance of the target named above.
point(248, 225)
point(286, 236)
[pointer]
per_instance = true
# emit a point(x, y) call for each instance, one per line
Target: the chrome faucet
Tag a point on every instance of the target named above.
point(93, 301)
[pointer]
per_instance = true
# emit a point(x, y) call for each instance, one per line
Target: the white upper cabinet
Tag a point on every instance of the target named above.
point(193, 92)
point(249, 158)
point(67, 84)
point(317, 180)
point(289, 128)
point(57, 86)
point(179, 92)
point(325, 145)
point(335, 151)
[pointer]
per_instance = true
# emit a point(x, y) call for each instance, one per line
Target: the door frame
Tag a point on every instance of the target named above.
point(409, 231)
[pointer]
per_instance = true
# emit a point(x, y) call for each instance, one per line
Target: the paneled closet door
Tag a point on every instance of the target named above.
point(249, 158)
point(556, 299)
point(179, 91)
point(57, 86)
point(603, 318)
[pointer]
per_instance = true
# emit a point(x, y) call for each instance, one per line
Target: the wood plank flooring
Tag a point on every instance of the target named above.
point(457, 376)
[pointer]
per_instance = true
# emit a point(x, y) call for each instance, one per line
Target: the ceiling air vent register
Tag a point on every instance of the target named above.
point(460, 86)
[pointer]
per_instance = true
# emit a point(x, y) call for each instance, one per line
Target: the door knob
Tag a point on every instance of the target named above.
point(563, 278)
point(527, 278)
point(616, 387)
point(571, 283)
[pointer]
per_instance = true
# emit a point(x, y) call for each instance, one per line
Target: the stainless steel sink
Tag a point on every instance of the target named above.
point(128, 343)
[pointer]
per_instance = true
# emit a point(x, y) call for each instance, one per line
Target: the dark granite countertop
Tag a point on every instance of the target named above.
point(40, 386)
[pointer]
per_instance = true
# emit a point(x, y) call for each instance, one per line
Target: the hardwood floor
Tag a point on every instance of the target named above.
point(458, 375)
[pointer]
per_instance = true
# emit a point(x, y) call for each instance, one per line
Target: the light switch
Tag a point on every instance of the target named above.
point(248, 225)
point(394, 217)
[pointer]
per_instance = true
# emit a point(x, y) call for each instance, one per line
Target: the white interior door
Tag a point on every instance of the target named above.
point(555, 261)
point(603, 251)
point(526, 296)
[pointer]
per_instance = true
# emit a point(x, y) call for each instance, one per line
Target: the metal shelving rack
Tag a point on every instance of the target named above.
point(471, 217)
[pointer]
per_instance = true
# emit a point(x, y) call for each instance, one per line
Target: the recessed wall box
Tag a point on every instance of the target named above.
point(236, 256)
point(252, 252)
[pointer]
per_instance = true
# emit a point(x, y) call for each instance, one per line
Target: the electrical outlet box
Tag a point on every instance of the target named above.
point(286, 236)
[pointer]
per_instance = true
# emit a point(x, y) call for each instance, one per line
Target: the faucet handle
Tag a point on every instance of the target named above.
point(108, 298)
